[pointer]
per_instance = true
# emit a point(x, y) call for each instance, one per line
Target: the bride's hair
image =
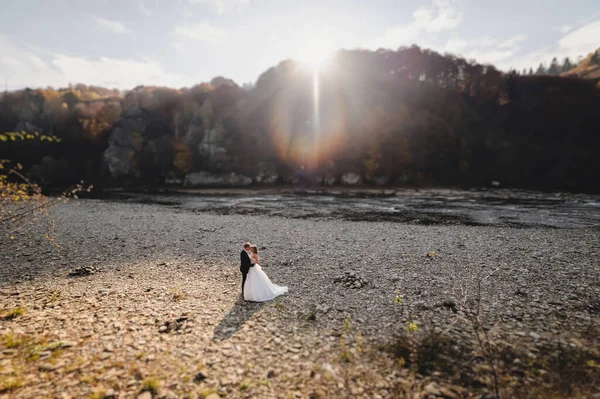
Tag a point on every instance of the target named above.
point(254, 249)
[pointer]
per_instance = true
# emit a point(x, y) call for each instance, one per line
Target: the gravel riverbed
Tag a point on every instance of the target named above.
point(161, 310)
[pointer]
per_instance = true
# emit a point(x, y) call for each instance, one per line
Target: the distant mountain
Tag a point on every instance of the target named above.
point(588, 68)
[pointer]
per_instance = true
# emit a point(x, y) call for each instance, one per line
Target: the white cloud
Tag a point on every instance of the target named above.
point(457, 46)
point(114, 72)
point(223, 6)
point(26, 68)
point(581, 41)
point(565, 28)
point(493, 57)
point(144, 8)
point(577, 42)
point(513, 41)
point(37, 61)
point(11, 62)
point(112, 26)
point(202, 32)
point(485, 41)
point(485, 50)
point(442, 15)
point(447, 17)
point(22, 67)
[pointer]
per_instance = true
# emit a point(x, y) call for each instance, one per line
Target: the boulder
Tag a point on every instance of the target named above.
point(174, 181)
point(204, 179)
point(326, 179)
point(267, 173)
point(118, 160)
point(382, 180)
point(351, 179)
point(329, 180)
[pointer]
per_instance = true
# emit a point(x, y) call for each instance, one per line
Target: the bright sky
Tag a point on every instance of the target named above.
point(125, 43)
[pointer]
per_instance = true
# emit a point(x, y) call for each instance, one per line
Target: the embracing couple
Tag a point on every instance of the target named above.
point(256, 286)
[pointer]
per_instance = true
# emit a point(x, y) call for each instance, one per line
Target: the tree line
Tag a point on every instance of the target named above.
point(410, 116)
point(556, 68)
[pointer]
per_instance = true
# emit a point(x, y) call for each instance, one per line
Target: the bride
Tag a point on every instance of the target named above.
point(258, 287)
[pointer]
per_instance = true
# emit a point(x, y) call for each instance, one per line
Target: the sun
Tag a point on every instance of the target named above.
point(315, 53)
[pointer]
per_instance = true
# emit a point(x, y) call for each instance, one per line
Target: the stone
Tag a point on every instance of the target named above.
point(47, 367)
point(199, 377)
point(267, 173)
point(329, 180)
point(209, 179)
point(351, 179)
point(433, 389)
point(535, 336)
point(82, 271)
point(382, 180)
point(118, 160)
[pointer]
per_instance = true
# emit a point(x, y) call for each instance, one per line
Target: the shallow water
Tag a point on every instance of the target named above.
point(476, 207)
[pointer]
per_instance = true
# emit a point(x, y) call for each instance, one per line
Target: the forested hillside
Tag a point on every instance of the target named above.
point(406, 117)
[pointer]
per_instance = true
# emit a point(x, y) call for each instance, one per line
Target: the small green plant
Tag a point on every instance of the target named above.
point(348, 343)
point(13, 313)
point(10, 383)
point(245, 385)
point(312, 314)
point(151, 384)
point(178, 294)
point(411, 326)
point(207, 392)
point(399, 299)
point(33, 353)
point(55, 297)
point(593, 365)
point(12, 340)
point(99, 394)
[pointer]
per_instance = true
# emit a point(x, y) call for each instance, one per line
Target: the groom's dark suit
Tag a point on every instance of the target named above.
point(245, 267)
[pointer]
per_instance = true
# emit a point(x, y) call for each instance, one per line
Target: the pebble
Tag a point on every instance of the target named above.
point(271, 336)
point(535, 336)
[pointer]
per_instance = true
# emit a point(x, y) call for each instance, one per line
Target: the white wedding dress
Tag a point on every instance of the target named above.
point(259, 288)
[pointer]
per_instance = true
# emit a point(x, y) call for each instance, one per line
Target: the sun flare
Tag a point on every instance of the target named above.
point(316, 53)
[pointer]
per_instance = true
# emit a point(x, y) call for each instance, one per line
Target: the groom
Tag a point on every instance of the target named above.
point(246, 264)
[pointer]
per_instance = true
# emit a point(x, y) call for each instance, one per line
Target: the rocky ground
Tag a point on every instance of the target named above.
point(144, 301)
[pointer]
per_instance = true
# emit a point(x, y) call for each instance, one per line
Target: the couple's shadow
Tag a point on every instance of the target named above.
point(240, 313)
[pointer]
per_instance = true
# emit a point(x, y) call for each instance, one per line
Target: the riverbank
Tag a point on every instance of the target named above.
point(161, 311)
